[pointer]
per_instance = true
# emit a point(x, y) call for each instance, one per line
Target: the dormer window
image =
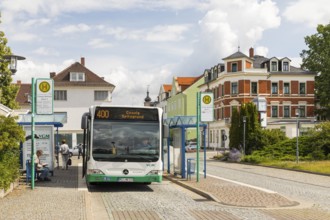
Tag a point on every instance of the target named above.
point(234, 67)
point(285, 66)
point(273, 66)
point(77, 76)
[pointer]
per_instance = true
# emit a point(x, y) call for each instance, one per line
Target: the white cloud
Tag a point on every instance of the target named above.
point(262, 51)
point(68, 29)
point(36, 22)
point(227, 25)
point(99, 43)
point(27, 69)
point(46, 51)
point(155, 34)
point(308, 12)
point(23, 36)
point(167, 33)
point(51, 8)
point(133, 84)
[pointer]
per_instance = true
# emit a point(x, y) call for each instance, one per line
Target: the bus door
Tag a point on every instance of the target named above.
point(84, 126)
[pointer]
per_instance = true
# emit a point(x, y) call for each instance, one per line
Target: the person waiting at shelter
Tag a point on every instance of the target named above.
point(41, 166)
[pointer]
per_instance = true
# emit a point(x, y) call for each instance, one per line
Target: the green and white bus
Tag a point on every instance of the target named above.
point(123, 144)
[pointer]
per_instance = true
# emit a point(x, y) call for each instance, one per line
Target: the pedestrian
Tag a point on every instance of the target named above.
point(79, 150)
point(64, 148)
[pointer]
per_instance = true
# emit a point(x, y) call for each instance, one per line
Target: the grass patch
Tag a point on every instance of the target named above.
point(312, 166)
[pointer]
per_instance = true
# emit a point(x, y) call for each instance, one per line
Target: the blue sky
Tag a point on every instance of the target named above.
point(139, 43)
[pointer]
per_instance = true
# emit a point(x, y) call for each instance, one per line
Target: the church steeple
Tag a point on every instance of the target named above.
point(147, 99)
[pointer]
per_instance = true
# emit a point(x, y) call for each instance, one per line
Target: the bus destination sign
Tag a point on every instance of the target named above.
point(120, 113)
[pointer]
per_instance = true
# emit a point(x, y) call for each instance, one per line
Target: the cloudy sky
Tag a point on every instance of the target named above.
point(137, 44)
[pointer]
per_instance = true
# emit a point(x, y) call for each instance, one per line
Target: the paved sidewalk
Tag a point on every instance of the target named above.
point(59, 198)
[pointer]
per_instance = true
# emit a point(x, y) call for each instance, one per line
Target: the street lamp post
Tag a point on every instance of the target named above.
point(12, 61)
point(244, 123)
point(297, 143)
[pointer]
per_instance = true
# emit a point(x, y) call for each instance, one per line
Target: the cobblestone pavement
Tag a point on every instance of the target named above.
point(233, 194)
point(211, 198)
point(56, 199)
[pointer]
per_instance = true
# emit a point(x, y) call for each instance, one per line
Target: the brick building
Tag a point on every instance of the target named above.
point(273, 81)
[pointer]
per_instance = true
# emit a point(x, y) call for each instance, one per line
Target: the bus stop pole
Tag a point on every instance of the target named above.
point(197, 131)
point(32, 133)
point(205, 151)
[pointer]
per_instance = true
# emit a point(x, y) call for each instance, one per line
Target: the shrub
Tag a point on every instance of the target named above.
point(10, 136)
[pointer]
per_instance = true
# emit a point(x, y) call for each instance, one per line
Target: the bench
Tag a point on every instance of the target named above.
point(28, 171)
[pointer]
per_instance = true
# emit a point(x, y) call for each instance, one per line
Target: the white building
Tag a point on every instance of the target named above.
point(76, 88)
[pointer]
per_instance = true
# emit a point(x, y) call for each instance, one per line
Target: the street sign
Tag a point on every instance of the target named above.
point(207, 109)
point(44, 96)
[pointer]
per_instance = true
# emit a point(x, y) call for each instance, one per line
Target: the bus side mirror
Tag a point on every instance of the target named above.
point(166, 131)
point(84, 120)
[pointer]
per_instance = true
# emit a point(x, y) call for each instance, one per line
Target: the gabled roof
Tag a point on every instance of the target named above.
point(167, 87)
point(185, 81)
point(23, 93)
point(236, 55)
point(91, 79)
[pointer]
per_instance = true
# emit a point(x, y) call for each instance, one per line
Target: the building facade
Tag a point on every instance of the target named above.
point(76, 88)
point(240, 79)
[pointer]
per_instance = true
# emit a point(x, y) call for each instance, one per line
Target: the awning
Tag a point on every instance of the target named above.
point(56, 119)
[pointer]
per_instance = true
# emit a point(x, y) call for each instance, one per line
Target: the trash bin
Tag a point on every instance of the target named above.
point(190, 167)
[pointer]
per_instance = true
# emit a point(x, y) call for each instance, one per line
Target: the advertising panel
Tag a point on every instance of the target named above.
point(44, 141)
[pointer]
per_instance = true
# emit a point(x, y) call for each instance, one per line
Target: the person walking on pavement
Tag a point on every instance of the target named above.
point(79, 150)
point(64, 148)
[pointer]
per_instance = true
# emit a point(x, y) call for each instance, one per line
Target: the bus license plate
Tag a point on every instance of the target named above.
point(125, 180)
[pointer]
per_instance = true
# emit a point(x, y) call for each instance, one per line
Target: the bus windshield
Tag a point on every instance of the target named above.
point(127, 141)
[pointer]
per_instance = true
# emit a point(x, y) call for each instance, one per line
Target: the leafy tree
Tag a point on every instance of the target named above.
point(8, 91)
point(10, 132)
point(252, 128)
point(317, 59)
point(234, 132)
point(319, 139)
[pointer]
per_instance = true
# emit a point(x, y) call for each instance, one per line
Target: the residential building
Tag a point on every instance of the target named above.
point(241, 79)
point(76, 88)
point(163, 96)
point(182, 100)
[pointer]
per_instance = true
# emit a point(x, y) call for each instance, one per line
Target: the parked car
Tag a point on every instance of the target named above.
point(192, 146)
point(75, 150)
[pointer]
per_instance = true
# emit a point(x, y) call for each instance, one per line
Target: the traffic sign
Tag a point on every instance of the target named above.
point(207, 111)
point(44, 96)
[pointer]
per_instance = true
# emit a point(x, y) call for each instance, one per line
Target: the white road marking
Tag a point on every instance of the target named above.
point(242, 184)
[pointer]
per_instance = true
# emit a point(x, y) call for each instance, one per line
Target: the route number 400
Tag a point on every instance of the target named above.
point(103, 114)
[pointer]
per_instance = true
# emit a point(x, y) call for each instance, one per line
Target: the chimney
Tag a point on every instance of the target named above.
point(82, 61)
point(251, 52)
point(52, 74)
point(19, 82)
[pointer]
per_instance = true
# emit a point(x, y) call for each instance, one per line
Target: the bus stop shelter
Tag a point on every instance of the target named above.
point(55, 120)
point(182, 123)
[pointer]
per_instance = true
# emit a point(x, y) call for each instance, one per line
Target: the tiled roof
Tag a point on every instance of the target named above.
point(91, 79)
point(23, 93)
point(186, 80)
point(236, 55)
point(167, 87)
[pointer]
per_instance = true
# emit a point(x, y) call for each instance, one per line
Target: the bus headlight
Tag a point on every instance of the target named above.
point(94, 171)
point(155, 172)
